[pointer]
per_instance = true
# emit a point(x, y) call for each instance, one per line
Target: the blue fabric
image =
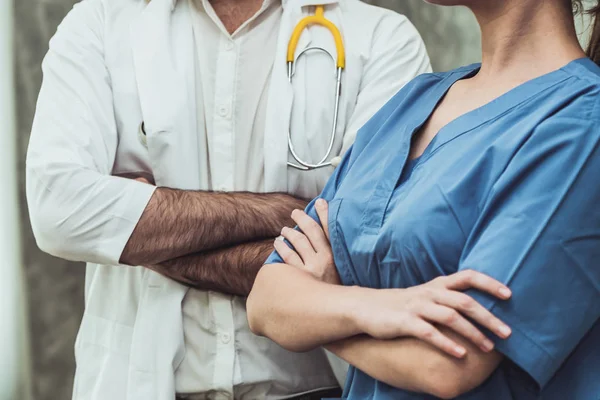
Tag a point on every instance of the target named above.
point(510, 189)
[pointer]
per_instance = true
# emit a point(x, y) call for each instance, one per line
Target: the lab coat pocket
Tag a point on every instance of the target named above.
point(102, 357)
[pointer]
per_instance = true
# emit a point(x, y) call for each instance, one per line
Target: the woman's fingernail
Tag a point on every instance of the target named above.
point(488, 345)
point(321, 203)
point(460, 351)
point(284, 230)
point(504, 292)
point(504, 330)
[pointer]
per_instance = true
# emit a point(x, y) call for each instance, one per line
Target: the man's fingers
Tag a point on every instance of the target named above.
point(143, 180)
point(469, 279)
point(311, 229)
point(323, 212)
point(467, 306)
point(430, 334)
point(452, 319)
point(300, 242)
point(288, 255)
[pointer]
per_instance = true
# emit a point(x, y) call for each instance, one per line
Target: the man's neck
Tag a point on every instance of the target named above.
point(234, 13)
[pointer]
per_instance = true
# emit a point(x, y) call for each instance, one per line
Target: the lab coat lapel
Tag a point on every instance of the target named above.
point(279, 104)
point(163, 53)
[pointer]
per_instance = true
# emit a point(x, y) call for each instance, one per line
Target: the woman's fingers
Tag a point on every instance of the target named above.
point(428, 333)
point(288, 255)
point(452, 319)
point(469, 279)
point(466, 305)
point(300, 242)
point(323, 212)
point(311, 229)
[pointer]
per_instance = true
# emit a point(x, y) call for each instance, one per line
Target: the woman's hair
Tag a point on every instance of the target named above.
point(593, 49)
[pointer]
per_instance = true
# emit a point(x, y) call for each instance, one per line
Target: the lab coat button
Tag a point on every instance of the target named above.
point(225, 338)
point(223, 111)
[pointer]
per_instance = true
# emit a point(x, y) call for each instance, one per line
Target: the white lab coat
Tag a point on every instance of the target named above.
point(116, 63)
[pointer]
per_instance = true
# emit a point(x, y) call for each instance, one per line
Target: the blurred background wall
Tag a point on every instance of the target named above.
point(55, 287)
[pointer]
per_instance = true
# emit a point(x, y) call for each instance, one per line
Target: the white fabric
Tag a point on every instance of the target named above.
point(233, 73)
point(116, 63)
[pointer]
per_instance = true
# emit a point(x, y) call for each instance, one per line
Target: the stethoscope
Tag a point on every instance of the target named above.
point(317, 19)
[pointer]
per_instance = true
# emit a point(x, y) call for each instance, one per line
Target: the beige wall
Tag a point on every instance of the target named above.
point(55, 287)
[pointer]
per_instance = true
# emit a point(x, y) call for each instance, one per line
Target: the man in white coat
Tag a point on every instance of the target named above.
point(159, 157)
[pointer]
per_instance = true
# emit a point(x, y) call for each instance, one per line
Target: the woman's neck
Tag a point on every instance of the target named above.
point(522, 39)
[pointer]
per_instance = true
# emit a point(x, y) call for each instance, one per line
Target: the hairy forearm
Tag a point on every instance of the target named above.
point(292, 308)
point(413, 365)
point(229, 270)
point(177, 223)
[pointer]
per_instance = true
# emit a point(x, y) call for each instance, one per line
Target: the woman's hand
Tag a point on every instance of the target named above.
point(419, 310)
point(312, 248)
point(393, 313)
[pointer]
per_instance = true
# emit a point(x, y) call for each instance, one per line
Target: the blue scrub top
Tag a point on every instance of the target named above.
point(511, 189)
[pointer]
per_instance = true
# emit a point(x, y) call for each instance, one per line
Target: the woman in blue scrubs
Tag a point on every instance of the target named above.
point(493, 168)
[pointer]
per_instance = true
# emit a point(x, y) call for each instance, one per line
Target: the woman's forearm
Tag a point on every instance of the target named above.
point(297, 311)
point(379, 359)
point(413, 365)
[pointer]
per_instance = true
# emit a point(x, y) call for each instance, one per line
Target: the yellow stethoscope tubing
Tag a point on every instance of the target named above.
point(317, 19)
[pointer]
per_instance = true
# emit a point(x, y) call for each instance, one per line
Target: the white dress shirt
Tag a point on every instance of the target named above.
point(233, 73)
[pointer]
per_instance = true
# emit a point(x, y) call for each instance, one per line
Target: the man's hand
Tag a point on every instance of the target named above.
point(143, 180)
point(313, 251)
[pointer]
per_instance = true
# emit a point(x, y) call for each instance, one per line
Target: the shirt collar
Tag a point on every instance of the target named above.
point(299, 3)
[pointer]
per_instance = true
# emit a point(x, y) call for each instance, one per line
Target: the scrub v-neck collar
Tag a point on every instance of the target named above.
point(389, 176)
point(487, 112)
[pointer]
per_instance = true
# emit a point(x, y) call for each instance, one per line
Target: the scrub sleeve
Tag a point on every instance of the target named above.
point(539, 233)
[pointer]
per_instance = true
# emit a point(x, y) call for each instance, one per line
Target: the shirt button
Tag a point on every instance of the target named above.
point(223, 111)
point(225, 338)
point(229, 46)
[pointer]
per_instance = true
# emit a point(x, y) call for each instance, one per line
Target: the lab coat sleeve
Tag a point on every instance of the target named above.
point(539, 233)
point(78, 210)
point(398, 55)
